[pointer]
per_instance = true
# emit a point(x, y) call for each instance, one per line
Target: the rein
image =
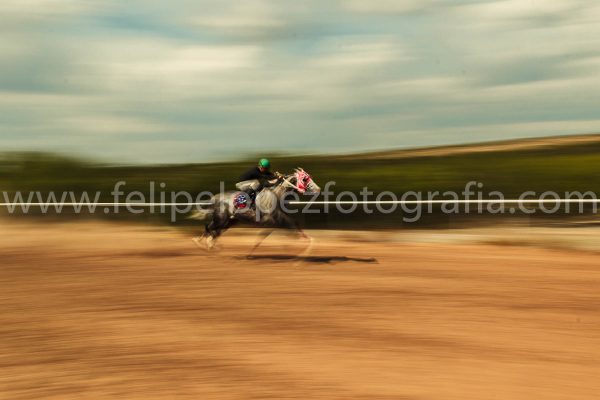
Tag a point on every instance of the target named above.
point(290, 184)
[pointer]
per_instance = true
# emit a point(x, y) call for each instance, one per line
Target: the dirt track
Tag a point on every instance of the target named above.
point(107, 311)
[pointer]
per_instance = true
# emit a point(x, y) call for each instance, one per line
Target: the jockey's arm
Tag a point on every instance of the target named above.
point(276, 177)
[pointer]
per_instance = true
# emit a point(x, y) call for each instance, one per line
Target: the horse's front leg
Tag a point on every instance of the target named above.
point(302, 234)
point(262, 236)
point(300, 231)
point(289, 223)
point(309, 247)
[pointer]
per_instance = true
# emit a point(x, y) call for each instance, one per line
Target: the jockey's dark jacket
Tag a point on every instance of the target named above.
point(255, 173)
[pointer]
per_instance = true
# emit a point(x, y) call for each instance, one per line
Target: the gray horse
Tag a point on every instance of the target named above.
point(224, 210)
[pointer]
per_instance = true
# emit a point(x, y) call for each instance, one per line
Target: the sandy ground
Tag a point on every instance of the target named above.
point(99, 311)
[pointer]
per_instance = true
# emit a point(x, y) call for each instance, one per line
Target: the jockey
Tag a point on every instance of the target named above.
point(257, 178)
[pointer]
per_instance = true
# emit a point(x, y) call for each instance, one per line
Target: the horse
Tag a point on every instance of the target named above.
point(229, 208)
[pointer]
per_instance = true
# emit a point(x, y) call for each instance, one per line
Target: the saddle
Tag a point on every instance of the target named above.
point(241, 201)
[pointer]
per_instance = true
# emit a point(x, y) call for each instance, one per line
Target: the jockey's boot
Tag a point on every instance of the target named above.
point(252, 194)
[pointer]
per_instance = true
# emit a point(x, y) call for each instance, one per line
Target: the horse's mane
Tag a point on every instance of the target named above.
point(288, 181)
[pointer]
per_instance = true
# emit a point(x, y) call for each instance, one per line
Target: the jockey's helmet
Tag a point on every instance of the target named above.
point(264, 163)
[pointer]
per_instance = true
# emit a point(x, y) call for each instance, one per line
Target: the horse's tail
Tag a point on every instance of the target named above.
point(202, 214)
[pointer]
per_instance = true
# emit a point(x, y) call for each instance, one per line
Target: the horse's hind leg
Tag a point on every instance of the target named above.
point(212, 231)
point(218, 227)
point(206, 238)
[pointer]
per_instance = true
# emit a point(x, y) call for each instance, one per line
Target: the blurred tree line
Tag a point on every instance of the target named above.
point(564, 168)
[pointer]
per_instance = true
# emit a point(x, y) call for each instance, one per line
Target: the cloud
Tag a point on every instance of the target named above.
point(176, 69)
point(188, 80)
point(47, 7)
point(239, 17)
point(386, 6)
point(518, 10)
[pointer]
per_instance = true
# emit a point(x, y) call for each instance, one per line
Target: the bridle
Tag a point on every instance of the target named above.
point(287, 180)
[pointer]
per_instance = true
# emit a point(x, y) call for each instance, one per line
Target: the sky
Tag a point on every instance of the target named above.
point(143, 81)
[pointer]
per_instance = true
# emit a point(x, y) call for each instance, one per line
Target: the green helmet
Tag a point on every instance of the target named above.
point(264, 163)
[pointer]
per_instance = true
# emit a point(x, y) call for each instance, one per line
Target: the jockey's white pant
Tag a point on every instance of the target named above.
point(244, 186)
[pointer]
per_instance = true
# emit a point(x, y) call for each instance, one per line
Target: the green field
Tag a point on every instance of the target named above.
point(566, 167)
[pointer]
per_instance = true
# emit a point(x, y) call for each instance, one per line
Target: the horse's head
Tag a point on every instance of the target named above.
point(304, 182)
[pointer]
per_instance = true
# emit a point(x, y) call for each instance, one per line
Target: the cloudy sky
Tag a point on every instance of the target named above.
point(195, 80)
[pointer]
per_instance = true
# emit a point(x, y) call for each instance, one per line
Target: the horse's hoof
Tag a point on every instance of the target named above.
point(198, 242)
point(210, 243)
point(207, 245)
